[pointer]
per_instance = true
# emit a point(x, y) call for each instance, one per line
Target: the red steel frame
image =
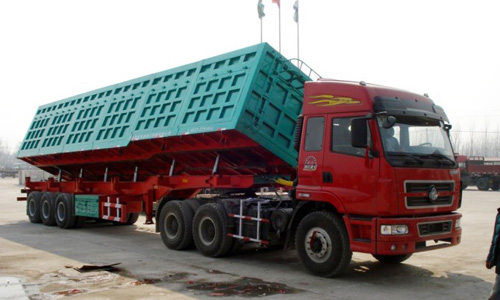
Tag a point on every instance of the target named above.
point(133, 194)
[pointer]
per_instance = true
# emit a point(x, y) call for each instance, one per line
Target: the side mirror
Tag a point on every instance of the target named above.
point(389, 122)
point(359, 133)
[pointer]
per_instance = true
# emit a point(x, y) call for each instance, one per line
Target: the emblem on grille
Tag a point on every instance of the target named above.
point(433, 193)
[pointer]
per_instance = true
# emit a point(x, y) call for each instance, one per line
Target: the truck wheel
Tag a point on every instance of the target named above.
point(194, 204)
point(131, 219)
point(483, 184)
point(176, 225)
point(47, 208)
point(495, 186)
point(322, 244)
point(33, 207)
point(64, 211)
point(392, 259)
point(210, 229)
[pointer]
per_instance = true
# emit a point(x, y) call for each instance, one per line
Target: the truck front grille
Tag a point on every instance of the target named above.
point(424, 201)
point(444, 189)
point(434, 228)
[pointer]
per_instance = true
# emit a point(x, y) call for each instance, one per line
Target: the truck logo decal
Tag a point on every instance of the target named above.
point(433, 193)
point(331, 100)
point(310, 164)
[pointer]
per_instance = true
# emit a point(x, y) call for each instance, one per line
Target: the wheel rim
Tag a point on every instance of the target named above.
point(318, 245)
point(206, 231)
point(482, 184)
point(31, 207)
point(171, 226)
point(45, 209)
point(61, 211)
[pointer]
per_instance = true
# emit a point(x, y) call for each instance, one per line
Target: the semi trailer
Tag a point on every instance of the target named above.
point(364, 167)
point(479, 171)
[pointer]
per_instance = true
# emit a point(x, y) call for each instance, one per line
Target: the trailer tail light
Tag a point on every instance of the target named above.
point(393, 229)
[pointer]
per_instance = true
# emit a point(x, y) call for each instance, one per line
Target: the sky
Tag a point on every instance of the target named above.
point(51, 50)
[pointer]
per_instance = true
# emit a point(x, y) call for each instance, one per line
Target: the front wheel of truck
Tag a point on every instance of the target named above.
point(392, 259)
point(322, 244)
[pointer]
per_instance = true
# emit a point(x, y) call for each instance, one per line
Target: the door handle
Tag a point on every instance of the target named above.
point(327, 177)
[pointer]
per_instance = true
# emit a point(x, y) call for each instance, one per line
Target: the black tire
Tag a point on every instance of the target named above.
point(392, 259)
point(33, 207)
point(131, 219)
point(194, 204)
point(495, 186)
point(47, 209)
point(483, 184)
point(322, 244)
point(176, 225)
point(64, 211)
point(210, 229)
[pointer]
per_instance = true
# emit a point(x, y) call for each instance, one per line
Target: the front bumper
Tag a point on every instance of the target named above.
point(424, 233)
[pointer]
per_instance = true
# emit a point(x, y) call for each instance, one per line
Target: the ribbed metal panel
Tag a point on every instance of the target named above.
point(254, 90)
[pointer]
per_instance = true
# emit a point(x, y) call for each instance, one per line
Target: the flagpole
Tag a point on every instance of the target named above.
point(260, 10)
point(279, 7)
point(298, 36)
point(296, 19)
point(261, 31)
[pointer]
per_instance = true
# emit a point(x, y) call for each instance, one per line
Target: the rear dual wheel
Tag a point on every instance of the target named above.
point(183, 223)
point(210, 230)
point(176, 225)
point(64, 212)
point(47, 209)
point(33, 204)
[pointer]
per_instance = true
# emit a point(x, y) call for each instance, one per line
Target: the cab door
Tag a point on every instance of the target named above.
point(310, 165)
point(349, 173)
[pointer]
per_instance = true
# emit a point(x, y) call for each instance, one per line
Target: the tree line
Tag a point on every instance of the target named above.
point(476, 140)
point(7, 157)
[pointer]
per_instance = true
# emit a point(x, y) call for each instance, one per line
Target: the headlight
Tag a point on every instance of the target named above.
point(393, 229)
point(458, 223)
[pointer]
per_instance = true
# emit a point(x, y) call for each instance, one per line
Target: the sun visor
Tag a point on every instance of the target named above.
point(407, 107)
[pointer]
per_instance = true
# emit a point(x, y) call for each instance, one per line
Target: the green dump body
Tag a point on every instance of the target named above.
point(254, 92)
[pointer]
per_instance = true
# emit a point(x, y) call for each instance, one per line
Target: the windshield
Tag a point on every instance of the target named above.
point(416, 141)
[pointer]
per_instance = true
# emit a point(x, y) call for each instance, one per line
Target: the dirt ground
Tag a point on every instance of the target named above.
point(44, 258)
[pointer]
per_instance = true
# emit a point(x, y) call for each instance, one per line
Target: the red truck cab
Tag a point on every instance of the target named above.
point(382, 159)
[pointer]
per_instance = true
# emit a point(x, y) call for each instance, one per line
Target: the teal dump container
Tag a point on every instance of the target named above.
point(87, 206)
point(254, 90)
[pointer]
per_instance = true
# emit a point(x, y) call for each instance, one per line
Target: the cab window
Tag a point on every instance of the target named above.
point(314, 134)
point(341, 138)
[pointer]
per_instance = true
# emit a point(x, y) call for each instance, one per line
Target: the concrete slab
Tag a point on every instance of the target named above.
point(11, 288)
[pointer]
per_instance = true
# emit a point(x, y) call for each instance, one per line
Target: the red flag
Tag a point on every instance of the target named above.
point(277, 2)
